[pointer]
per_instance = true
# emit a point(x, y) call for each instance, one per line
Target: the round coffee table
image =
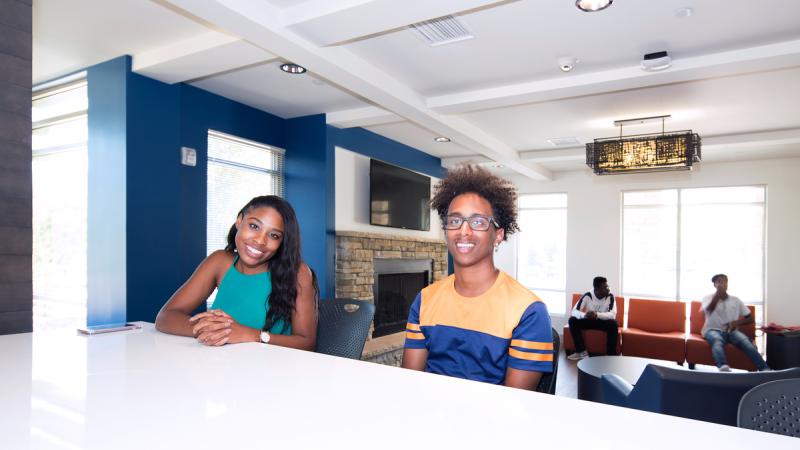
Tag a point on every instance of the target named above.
point(628, 367)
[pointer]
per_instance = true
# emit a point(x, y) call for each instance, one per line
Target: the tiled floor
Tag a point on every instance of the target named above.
point(567, 377)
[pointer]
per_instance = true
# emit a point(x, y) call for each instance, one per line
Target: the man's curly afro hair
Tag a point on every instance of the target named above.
point(500, 193)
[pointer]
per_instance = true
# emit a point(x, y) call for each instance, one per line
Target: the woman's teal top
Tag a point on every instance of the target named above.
point(246, 299)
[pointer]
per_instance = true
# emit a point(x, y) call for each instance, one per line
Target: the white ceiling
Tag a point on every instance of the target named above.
point(499, 96)
point(266, 87)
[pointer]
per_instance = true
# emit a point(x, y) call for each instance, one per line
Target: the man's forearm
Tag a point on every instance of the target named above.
point(747, 320)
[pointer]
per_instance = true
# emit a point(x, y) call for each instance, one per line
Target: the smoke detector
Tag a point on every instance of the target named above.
point(567, 63)
point(653, 62)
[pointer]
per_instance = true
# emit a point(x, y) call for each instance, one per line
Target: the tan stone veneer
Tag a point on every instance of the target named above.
point(355, 276)
point(355, 252)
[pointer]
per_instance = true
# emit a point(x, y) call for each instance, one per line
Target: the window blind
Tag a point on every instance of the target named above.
point(238, 170)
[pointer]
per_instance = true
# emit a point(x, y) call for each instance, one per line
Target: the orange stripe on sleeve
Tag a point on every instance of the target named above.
point(412, 326)
point(530, 356)
point(416, 336)
point(532, 345)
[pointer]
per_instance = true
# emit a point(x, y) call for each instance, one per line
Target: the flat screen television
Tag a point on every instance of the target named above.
point(398, 197)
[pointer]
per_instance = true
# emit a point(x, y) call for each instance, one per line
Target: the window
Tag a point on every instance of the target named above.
point(649, 244)
point(238, 170)
point(60, 197)
point(675, 240)
point(542, 248)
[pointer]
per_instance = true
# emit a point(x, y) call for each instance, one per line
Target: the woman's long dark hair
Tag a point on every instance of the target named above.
point(284, 264)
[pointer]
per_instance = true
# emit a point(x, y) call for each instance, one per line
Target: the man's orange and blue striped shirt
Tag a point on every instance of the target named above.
point(478, 338)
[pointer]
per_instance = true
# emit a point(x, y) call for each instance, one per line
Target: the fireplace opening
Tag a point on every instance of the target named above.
point(397, 283)
point(396, 292)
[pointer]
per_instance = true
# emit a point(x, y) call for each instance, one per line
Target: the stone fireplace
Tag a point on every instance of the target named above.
point(389, 271)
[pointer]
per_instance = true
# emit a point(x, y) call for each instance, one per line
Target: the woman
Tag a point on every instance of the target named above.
point(265, 292)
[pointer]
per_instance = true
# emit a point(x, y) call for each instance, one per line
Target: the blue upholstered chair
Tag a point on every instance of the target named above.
point(708, 396)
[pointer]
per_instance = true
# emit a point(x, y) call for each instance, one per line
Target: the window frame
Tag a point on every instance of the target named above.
point(566, 308)
point(57, 87)
point(278, 173)
point(678, 218)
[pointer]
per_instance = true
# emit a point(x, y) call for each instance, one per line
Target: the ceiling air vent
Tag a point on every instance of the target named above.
point(440, 31)
point(565, 142)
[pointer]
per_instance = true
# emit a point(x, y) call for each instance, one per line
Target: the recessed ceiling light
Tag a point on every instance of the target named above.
point(683, 12)
point(441, 139)
point(293, 68)
point(593, 5)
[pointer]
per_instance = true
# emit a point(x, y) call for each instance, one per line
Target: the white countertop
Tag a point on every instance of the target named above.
point(148, 390)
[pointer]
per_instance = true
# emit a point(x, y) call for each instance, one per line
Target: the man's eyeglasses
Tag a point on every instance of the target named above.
point(476, 222)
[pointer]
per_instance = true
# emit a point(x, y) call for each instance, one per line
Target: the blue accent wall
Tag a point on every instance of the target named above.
point(373, 145)
point(157, 260)
point(310, 189)
point(137, 126)
point(167, 212)
point(107, 209)
point(201, 111)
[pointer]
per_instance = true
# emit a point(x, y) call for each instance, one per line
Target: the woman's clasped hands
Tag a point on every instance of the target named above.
point(215, 328)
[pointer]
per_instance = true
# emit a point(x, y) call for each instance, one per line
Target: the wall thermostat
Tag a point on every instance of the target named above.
point(188, 156)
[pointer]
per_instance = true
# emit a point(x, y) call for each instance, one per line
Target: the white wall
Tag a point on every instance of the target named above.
point(594, 217)
point(352, 199)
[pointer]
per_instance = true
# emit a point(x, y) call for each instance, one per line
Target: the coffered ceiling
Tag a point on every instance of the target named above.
point(499, 95)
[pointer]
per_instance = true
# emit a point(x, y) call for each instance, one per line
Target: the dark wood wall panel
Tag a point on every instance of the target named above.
point(16, 298)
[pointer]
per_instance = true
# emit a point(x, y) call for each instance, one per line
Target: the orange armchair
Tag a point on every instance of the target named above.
point(595, 339)
point(655, 330)
point(698, 350)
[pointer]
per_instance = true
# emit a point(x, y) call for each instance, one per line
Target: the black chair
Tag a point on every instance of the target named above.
point(343, 327)
point(773, 407)
point(547, 384)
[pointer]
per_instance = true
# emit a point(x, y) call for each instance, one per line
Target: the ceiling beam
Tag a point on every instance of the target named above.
point(362, 117)
point(760, 138)
point(762, 58)
point(198, 57)
point(556, 155)
point(734, 62)
point(710, 144)
point(325, 23)
point(258, 23)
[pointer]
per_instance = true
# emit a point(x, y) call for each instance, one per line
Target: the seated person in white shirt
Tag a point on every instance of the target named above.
point(722, 320)
point(595, 310)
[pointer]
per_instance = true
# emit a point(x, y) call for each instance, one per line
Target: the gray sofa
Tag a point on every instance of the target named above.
point(707, 396)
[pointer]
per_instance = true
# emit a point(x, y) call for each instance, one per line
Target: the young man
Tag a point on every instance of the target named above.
point(479, 323)
point(723, 314)
point(595, 310)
